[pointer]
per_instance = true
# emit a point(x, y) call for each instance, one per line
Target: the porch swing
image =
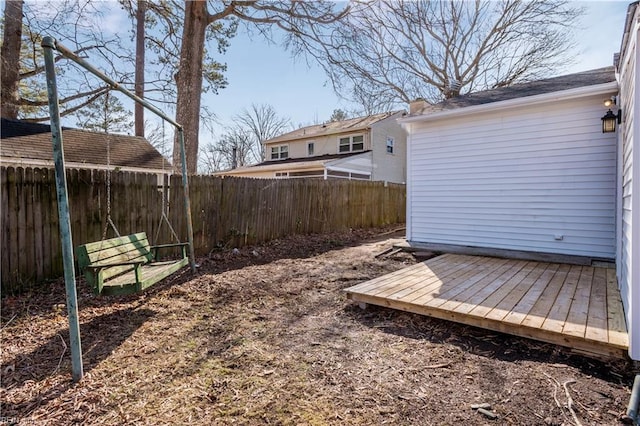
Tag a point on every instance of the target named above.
point(119, 245)
point(128, 264)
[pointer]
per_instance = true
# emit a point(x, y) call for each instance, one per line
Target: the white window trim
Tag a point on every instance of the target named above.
point(311, 152)
point(392, 145)
point(280, 151)
point(351, 143)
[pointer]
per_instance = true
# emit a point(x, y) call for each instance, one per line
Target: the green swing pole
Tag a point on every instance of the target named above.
point(63, 212)
point(185, 180)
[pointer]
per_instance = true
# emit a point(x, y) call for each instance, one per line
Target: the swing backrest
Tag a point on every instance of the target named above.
point(127, 248)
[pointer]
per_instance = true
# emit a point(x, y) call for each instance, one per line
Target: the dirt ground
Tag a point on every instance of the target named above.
point(265, 336)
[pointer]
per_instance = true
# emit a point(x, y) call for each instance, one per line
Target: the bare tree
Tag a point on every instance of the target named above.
point(259, 123)
point(158, 134)
point(388, 53)
point(242, 143)
point(75, 23)
point(229, 151)
point(294, 17)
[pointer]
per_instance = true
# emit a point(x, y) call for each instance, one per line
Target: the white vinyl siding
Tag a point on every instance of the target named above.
point(628, 265)
point(538, 179)
point(389, 167)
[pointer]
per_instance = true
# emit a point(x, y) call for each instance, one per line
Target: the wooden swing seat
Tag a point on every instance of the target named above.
point(126, 265)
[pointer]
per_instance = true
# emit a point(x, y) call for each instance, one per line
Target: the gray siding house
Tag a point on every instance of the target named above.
point(527, 169)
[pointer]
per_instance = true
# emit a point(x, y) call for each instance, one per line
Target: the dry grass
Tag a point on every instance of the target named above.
point(268, 338)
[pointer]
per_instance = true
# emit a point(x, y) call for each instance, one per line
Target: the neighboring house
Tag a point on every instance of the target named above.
point(25, 144)
point(527, 170)
point(365, 148)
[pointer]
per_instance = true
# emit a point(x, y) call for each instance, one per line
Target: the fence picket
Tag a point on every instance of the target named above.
point(230, 211)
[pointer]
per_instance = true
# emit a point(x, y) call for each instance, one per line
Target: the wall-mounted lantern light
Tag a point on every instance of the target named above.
point(609, 122)
point(610, 119)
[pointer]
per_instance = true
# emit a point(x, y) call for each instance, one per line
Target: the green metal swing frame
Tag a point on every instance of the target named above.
point(49, 44)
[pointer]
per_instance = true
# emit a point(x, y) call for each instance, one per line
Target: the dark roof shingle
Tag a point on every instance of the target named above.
point(312, 158)
point(25, 140)
point(538, 87)
point(333, 127)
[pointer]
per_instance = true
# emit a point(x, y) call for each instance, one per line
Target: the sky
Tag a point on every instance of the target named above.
point(259, 73)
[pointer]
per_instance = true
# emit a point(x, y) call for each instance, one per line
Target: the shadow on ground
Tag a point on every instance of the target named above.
point(99, 338)
point(486, 343)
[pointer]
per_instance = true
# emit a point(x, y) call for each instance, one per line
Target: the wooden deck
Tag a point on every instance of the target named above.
point(569, 305)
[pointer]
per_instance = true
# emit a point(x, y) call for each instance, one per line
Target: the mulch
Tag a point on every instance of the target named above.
point(264, 335)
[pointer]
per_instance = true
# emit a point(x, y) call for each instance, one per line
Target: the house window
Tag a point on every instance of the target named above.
point(351, 144)
point(279, 152)
point(310, 149)
point(390, 145)
point(282, 174)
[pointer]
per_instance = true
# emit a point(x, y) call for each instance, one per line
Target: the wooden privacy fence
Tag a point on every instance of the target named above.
point(226, 212)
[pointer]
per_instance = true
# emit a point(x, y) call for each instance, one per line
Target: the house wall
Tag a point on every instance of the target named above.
point(628, 261)
point(270, 173)
point(323, 145)
point(389, 167)
point(538, 178)
point(353, 164)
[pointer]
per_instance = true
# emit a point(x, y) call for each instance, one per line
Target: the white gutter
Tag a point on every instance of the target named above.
point(277, 166)
point(563, 95)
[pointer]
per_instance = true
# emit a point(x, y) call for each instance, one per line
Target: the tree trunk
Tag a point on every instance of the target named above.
point(189, 82)
point(139, 88)
point(10, 71)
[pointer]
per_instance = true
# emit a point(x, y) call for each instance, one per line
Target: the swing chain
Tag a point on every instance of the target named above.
point(109, 221)
point(166, 181)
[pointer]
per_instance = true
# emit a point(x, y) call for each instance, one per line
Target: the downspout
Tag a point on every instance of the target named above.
point(633, 409)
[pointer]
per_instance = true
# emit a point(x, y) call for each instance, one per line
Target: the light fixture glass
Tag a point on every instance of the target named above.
point(609, 122)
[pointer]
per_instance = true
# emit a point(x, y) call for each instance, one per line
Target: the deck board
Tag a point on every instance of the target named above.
point(436, 280)
point(597, 317)
point(576, 322)
point(468, 280)
point(570, 305)
point(468, 292)
point(495, 297)
point(524, 306)
point(483, 293)
point(508, 303)
point(615, 315)
point(558, 314)
point(543, 305)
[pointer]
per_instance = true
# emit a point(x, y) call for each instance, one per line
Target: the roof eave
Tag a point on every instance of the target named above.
point(579, 92)
point(30, 162)
point(285, 138)
point(276, 166)
point(628, 24)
